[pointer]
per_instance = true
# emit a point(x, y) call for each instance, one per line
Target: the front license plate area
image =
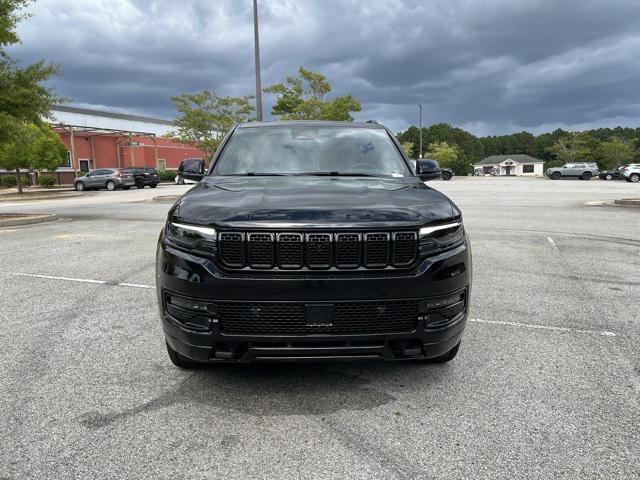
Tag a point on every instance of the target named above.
point(319, 314)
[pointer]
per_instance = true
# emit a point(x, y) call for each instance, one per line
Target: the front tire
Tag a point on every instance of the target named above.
point(79, 186)
point(608, 177)
point(446, 176)
point(111, 186)
point(180, 181)
point(634, 178)
point(153, 185)
point(556, 176)
point(181, 361)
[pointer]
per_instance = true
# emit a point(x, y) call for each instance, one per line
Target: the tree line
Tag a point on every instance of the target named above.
point(457, 148)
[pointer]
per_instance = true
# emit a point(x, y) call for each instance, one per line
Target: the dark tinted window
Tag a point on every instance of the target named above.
point(193, 165)
point(428, 164)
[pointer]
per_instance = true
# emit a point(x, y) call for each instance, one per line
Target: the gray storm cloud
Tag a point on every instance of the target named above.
point(491, 66)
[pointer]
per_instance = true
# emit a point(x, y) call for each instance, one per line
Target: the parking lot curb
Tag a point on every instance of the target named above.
point(25, 219)
point(166, 198)
point(25, 197)
point(628, 201)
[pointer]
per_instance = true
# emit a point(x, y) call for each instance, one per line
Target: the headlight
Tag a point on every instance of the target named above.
point(436, 238)
point(194, 238)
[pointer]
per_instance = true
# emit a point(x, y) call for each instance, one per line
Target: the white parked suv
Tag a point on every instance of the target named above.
point(632, 173)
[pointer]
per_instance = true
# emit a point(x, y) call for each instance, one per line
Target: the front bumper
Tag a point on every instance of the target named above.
point(201, 280)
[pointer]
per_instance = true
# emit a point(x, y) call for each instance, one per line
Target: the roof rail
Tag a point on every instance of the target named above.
point(372, 121)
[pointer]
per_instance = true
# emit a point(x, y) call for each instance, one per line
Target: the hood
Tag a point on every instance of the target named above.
point(310, 202)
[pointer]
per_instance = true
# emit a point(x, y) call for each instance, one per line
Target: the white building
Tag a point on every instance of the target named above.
point(519, 165)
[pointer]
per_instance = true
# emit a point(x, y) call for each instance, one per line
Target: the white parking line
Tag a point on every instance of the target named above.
point(53, 277)
point(135, 285)
point(82, 280)
point(604, 333)
point(553, 244)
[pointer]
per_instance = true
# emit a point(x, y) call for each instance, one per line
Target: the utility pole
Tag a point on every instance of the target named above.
point(256, 41)
point(420, 153)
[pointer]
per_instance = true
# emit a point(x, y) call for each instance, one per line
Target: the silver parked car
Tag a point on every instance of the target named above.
point(109, 178)
point(583, 171)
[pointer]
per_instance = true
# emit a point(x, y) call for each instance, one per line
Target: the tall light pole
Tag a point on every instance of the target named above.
point(256, 41)
point(420, 153)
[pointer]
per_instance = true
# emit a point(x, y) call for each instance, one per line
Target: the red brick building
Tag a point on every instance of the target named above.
point(99, 139)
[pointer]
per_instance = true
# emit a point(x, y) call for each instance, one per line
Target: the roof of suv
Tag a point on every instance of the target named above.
point(311, 123)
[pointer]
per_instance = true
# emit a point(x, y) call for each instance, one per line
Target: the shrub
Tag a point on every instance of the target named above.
point(25, 181)
point(46, 181)
point(167, 175)
point(9, 181)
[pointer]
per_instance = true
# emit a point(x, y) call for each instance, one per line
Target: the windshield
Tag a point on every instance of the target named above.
point(309, 150)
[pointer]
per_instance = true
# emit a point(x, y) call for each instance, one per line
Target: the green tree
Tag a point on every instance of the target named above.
point(408, 149)
point(305, 98)
point(205, 118)
point(615, 151)
point(22, 95)
point(24, 100)
point(32, 147)
point(570, 148)
point(442, 152)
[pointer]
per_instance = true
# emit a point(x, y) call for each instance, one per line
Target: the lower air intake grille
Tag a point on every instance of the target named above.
point(290, 318)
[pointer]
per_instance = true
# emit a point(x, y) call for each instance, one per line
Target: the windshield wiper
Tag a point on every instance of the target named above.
point(259, 174)
point(340, 174)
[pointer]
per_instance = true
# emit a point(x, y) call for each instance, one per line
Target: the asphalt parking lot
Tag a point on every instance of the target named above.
point(547, 382)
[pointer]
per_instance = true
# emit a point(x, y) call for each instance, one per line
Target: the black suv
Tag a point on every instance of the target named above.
point(145, 176)
point(312, 241)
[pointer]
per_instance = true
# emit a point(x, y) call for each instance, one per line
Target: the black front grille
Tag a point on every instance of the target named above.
point(348, 250)
point(316, 251)
point(404, 248)
point(290, 250)
point(231, 246)
point(376, 249)
point(319, 250)
point(348, 318)
point(261, 250)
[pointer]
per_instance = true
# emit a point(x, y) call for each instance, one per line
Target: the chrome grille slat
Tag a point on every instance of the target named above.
point(317, 251)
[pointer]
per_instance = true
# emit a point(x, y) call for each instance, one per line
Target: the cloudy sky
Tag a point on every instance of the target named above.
point(489, 66)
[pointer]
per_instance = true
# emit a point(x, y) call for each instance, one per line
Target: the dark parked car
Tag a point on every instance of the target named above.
point(109, 178)
point(431, 170)
point(312, 241)
point(191, 170)
point(145, 176)
point(613, 174)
